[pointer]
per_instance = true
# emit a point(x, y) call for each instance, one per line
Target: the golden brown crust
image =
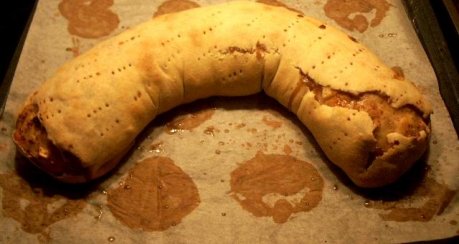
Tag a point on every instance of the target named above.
point(32, 141)
point(368, 120)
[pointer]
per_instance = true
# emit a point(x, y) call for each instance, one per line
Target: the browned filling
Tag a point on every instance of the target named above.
point(32, 139)
point(387, 119)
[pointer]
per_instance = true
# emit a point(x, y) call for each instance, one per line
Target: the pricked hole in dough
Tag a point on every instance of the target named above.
point(240, 71)
point(320, 38)
point(313, 67)
point(97, 73)
point(178, 35)
point(234, 73)
point(101, 134)
point(204, 32)
point(59, 111)
point(210, 29)
point(119, 70)
point(113, 72)
point(322, 26)
point(100, 108)
point(51, 99)
point(117, 121)
point(130, 65)
point(351, 63)
point(345, 83)
point(139, 94)
point(300, 16)
point(124, 67)
point(107, 105)
point(88, 115)
point(77, 81)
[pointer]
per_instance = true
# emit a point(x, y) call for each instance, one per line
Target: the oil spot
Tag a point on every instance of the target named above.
point(430, 198)
point(341, 12)
point(160, 196)
point(277, 3)
point(398, 73)
point(89, 18)
point(276, 186)
point(271, 123)
point(189, 121)
point(453, 222)
point(173, 6)
point(34, 208)
point(156, 147)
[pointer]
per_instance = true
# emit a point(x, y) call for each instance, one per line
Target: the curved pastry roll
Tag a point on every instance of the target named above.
point(370, 122)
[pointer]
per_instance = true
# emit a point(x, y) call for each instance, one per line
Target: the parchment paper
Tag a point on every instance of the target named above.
point(233, 133)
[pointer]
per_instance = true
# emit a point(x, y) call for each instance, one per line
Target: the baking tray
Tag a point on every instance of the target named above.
point(437, 25)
